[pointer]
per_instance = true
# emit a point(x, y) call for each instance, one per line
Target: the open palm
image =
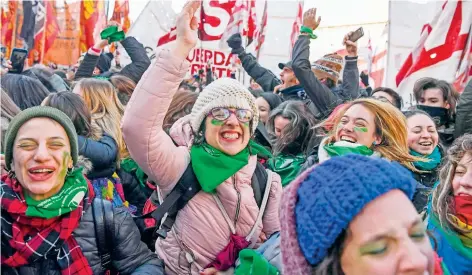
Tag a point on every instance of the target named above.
point(187, 24)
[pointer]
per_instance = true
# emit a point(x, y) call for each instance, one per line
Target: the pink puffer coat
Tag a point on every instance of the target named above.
point(200, 228)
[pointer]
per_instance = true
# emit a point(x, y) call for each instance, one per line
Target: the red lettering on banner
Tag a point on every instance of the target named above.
point(215, 17)
point(219, 58)
point(208, 55)
point(200, 57)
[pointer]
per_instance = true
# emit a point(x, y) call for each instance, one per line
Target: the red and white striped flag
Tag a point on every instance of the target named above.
point(251, 22)
point(168, 37)
point(443, 50)
point(378, 64)
point(236, 22)
point(297, 24)
point(260, 33)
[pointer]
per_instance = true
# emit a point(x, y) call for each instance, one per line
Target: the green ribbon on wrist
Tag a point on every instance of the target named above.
point(112, 34)
point(308, 31)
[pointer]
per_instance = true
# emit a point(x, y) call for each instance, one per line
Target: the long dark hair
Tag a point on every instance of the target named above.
point(25, 91)
point(299, 136)
point(74, 107)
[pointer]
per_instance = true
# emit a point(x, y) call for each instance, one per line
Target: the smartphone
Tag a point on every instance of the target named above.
point(357, 34)
point(17, 59)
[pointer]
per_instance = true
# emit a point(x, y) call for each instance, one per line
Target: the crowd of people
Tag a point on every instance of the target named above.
point(138, 170)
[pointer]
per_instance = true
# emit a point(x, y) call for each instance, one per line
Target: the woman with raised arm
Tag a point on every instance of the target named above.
point(216, 145)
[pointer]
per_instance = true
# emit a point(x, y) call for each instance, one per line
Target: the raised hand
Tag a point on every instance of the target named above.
point(351, 47)
point(310, 20)
point(186, 29)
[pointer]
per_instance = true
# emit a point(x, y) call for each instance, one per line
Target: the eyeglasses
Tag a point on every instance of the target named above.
point(223, 114)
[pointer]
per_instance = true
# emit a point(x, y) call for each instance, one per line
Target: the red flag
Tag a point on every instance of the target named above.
point(52, 26)
point(8, 26)
point(89, 15)
point(441, 48)
point(121, 14)
point(261, 31)
point(168, 37)
point(297, 24)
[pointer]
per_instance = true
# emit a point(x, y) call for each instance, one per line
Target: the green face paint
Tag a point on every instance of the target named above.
point(217, 122)
point(246, 124)
point(65, 160)
point(360, 129)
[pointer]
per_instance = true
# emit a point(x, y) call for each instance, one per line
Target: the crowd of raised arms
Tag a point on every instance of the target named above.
point(132, 171)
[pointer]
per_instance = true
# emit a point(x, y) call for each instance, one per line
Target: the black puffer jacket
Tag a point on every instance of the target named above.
point(130, 255)
point(135, 194)
point(135, 70)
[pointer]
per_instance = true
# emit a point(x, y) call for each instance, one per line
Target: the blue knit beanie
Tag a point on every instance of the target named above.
point(336, 191)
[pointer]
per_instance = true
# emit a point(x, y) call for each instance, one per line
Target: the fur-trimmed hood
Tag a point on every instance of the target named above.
point(85, 163)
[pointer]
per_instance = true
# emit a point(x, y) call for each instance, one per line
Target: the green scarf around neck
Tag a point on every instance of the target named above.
point(434, 157)
point(342, 148)
point(287, 166)
point(212, 167)
point(65, 201)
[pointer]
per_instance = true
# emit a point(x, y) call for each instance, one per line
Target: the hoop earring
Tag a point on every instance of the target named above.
point(69, 171)
point(11, 174)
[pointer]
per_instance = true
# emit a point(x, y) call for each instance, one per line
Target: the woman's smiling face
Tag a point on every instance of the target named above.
point(41, 157)
point(357, 126)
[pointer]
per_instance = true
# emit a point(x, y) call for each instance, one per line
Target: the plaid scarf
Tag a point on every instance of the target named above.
point(44, 237)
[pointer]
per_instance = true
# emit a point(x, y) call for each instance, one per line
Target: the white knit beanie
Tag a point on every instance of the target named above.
point(223, 92)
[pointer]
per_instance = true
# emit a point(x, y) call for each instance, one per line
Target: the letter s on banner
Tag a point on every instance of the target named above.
point(215, 17)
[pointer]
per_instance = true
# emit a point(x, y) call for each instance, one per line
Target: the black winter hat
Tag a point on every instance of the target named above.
point(104, 63)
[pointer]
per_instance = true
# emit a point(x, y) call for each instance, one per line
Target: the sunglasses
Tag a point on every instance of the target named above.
point(223, 114)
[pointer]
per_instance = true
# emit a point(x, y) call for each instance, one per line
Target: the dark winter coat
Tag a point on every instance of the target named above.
point(321, 100)
point(101, 153)
point(135, 194)
point(129, 256)
point(463, 123)
point(135, 70)
point(424, 187)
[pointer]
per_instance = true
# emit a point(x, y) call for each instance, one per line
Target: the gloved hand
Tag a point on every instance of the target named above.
point(235, 43)
point(364, 78)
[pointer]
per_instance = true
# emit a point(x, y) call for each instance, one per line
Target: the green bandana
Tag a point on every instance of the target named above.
point(130, 166)
point(308, 31)
point(112, 34)
point(67, 200)
point(343, 148)
point(287, 166)
point(212, 167)
point(434, 157)
point(251, 262)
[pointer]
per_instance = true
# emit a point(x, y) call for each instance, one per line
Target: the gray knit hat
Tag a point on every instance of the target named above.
point(35, 112)
point(224, 92)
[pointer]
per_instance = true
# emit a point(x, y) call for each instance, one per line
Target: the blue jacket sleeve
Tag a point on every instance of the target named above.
point(101, 153)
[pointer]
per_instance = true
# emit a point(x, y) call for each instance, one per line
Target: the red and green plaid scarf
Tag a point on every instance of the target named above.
point(51, 237)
